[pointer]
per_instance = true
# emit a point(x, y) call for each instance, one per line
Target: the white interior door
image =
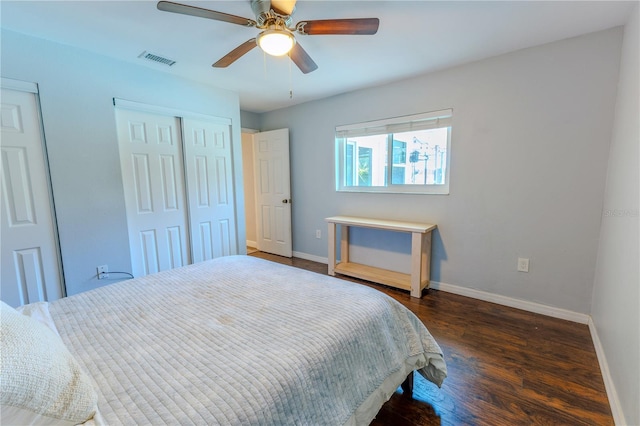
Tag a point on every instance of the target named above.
point(30, 253)
point(153, 178)
point(273, 191)
point(207, 147)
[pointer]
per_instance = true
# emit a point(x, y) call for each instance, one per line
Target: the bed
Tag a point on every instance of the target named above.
point(235, 341)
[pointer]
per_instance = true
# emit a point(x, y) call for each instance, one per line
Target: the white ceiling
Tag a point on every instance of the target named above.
point(415, 37)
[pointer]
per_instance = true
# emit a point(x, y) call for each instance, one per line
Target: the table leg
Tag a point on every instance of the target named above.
point(344, 244)
point(416, 264)
point(426, 259)
point(331, 236)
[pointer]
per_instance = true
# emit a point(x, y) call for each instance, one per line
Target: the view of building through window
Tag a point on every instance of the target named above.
point(417, 158)
point(406, 154)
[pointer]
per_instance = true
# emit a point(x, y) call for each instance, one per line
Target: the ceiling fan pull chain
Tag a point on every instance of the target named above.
point(290, 80)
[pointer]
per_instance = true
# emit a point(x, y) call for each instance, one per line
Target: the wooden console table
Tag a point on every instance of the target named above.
point(415, 282)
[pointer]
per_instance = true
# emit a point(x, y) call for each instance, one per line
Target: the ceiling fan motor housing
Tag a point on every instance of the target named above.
point(266, 17)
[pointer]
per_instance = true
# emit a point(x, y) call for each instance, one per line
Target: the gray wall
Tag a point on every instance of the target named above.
point(76, 92)
point(530, 143)
point(616, 294)
point(250, 120)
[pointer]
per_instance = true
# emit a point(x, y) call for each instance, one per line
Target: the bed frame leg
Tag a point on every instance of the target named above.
point(407, 385)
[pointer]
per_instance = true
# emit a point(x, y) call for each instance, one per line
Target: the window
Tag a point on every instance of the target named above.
point(404, 155)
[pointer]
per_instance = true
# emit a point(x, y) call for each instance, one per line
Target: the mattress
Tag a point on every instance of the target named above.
point(243, 341)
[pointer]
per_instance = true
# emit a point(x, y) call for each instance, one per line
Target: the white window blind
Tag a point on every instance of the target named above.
point(424, 121)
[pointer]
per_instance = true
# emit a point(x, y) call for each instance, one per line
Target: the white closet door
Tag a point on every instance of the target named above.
point(153, 178)
point(30, 254)
point(207, 147)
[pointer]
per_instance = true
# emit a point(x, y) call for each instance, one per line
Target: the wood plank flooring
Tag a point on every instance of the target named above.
point(506, 366)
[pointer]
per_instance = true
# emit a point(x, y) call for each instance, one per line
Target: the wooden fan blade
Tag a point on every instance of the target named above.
point(301, 58)
point(184, 9)
point(235, 54)
point(358, 26)
point(283, 7)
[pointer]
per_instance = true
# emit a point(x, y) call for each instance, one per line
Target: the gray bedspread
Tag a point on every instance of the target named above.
point(243, 341)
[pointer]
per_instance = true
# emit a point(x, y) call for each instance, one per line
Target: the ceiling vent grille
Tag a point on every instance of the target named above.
point(156, 58)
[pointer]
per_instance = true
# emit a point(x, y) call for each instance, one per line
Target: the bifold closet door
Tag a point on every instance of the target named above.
point(209, 171)
point(30, 252)
point(153, 178)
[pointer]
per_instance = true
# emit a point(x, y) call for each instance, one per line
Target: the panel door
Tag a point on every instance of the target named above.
point(30, 253)
point(209, 167)
point(273, 191)
point(153, 178)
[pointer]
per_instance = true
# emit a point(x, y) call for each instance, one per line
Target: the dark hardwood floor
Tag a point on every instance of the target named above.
point(506, 366)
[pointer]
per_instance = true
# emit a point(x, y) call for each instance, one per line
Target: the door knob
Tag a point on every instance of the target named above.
point(285, 201)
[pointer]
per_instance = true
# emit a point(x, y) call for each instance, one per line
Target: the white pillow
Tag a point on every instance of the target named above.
point(40, 381)
point(39, 311)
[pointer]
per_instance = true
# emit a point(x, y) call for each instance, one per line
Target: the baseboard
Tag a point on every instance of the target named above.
point(612, 394)
point(252, 244)
point(537, 308)
point(310, 257)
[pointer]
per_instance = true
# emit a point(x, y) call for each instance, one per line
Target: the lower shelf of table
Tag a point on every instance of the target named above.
point(377, 275)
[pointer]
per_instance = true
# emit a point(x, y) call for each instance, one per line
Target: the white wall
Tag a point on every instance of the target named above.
point(530, 143)
point(76, 92)
point(616, 294)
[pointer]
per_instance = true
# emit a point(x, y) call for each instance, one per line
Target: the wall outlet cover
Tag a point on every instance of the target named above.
point(103, 272)
point(523, 264)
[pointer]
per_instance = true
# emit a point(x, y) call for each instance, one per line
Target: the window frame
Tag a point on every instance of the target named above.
point(423, 121)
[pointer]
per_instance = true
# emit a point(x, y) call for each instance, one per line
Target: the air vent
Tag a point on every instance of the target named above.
point(156, 58)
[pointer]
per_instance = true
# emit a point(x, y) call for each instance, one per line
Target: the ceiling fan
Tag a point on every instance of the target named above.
point(273, 17)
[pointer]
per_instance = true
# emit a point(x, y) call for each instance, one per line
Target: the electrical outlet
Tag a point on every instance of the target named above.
point(103, 272)
point(523, 264)
point(318, 233)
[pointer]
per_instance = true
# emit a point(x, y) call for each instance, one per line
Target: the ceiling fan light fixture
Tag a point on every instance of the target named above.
point(276, 42)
